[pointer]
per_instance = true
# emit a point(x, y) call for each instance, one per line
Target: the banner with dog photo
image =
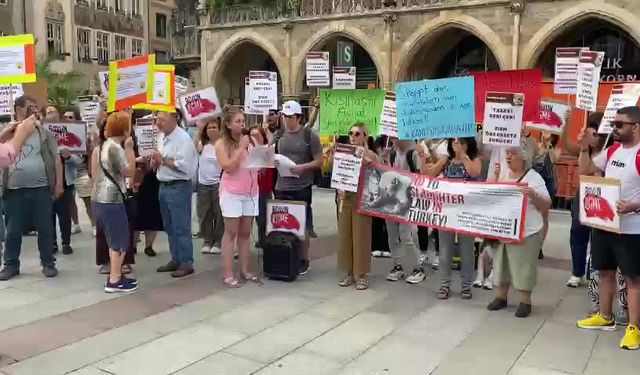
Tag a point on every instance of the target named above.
point(488, 210)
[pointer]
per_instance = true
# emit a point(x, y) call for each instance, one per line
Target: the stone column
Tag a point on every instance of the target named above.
point(389, 20)
point(288, 89)
point(516, 8)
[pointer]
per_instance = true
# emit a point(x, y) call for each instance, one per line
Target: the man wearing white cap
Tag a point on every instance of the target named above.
point(302, 146)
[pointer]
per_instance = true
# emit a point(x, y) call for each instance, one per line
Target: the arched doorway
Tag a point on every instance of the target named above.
point(451, 52)
point(622, 52)
point(234, 67)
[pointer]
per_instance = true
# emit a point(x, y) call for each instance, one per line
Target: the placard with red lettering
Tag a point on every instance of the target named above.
point(589, 80)
point(286, 216)
point(71, 136)
point(553, 117)
point(200, 105)
point(565, 79)
point(625, 95)
point(598, 197)
point(502, 125)
point(527, 82)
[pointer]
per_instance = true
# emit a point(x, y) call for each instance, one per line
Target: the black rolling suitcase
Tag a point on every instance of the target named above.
point(281, 257)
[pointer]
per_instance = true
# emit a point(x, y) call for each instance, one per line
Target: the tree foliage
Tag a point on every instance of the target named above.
point(62, 88)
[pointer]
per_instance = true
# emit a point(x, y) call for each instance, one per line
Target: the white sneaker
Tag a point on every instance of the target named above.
point(423, 259)
point(205, 249)
point(215, 250)
point(477, 284)
point(488, 284)
point(436, 263)
point(396, 273)
point(75, 229)
point(386, 254)
point(416, 277)
point(94, 232)
point(376, 253)
point(574, 282)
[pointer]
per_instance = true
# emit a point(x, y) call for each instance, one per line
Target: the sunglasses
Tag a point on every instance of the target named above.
point(69, 117)
point(620, 124)
point(355, 133)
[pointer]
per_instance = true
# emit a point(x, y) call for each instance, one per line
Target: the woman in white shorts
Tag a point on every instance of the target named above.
point(238, 196)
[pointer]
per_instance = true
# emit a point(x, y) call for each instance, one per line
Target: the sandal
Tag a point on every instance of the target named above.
point(444, 292)
point(231, 282)
point(362, 284)
point(346, 281)
point(252, 277)
point(465, 293)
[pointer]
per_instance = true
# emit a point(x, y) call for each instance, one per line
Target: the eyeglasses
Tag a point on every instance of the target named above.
point(355, 133)
point(69, 117)
point(620, 124)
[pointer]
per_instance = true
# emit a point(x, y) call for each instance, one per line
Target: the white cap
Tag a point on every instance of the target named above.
point(291, 108)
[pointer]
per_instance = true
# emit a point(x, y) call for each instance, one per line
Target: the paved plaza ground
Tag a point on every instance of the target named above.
point(68, 325)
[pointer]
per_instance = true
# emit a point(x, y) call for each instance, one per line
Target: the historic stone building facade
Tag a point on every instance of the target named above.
point(397, 40)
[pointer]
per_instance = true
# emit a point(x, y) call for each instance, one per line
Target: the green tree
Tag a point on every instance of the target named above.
point(62, 88)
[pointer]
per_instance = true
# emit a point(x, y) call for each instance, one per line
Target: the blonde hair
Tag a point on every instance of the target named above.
point(228, 115)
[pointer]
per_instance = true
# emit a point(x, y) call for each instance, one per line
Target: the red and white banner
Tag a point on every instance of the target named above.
point(598, 197)
point(487, 210)
point(71, 136)
point(286, 216)
point(553, 117)
point(200, 105)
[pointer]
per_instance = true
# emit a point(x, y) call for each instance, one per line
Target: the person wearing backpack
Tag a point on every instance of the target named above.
point(609, 250)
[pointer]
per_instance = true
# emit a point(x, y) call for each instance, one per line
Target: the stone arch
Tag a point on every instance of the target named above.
point(324, 35)
point(572, 16)
point(430, 31)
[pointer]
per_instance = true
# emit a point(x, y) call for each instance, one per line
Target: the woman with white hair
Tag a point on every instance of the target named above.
point(517, 264)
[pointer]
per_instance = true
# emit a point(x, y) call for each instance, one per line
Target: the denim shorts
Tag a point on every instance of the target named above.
point(113, 219)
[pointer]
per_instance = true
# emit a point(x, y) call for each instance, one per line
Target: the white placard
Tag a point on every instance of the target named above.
point(89, 107)
point(146, 136)
point(388, 118)
point(5, 99)
point(598, 197)
point(247, 99)
point(181, 85)
point(347, 163)
point(502, 124)
point(103, 77)
point(589, 80)
point(263, 91)
point(317, 69)
point(565, 80)
point(71, 136)
point(625, 95)
point(200, 105)
point(344, 77)
point(553, 117)
point(286, 216)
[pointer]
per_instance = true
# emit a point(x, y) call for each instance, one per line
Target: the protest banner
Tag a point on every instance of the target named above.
point(200, 105)
point(286, 216)
point(625, 95)
point(247, 99)
point(71, 136)
point(527, 82)
point(589, 68)
point(163, 95)
point(388, 118)
point(344, 77)
point(347, 163)
point(17, 59)
point(6, 98)
point(89, 106)
point(598, 197)
point(340, 109)
point(435, 108)
point(552, 117)
point(565, 79)
point(146, 136)
point(317, 69)
point(131, 82)
point(263, 91)
point(488, 210)
point(181, 85)
point(103, 77)
point(502, 125)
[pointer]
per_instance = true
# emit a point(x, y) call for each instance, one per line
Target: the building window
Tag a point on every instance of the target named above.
point(55, 38)
point(161, 25)
point(102, 47)
point(136, 47)
point(119, 6)
point(162, 57)
point(135, 7)
point(3, 2)
point(80, 2)
point(120, 47)
point(84, 45)
point(101, 4)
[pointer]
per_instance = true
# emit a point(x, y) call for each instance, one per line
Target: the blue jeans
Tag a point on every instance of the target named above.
point(579, 241)
point(303, 195)
point(175, 207)
point(23, 207)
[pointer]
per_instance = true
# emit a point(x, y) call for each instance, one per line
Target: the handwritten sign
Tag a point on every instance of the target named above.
point(565, 80)
point(5, 97)
point(598, 197)
point(340, 109)
point(263, 91)
point(69, 135)
point(347, 163)
point(527, 82)
point(625, 95)
point(553, 117)
point(317, 69)
point(388, 118)
point(502, 125)
point(89, 107)
point(200, 105)
point(589, 80)
point(437, 108)
point(146, 136)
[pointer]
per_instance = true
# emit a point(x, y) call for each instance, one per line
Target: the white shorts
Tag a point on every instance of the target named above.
point(233, 206)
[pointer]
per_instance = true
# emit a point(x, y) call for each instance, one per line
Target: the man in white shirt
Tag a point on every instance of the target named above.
point(176, 159)
point(609, 250)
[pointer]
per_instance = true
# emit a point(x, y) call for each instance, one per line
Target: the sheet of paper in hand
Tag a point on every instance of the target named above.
point(261, 157)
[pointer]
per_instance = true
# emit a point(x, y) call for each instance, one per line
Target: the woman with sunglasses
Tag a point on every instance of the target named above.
point(354, 229)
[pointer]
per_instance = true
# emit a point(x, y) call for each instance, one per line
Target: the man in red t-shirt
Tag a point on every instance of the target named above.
point(610, 250)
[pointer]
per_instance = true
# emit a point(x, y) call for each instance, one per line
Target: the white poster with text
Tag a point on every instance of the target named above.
point(565, 80)
point(589, 80)
point(625, 95)
point(502, 125)
point(344, 77)
point(389, 117)
point(317, 69)
point(263, 91)
point(347, 163)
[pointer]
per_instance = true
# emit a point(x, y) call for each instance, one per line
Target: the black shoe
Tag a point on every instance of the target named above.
point(169, 267)
point(312, 233)
point(523, 311)
point(67, 250)
point(49, 271)
point(9, 272)
point(540, 255)
point(150, 252)
point(304, 267)
point(55, 248)
point(497, 304)
point(182, 271)
point(257, 245)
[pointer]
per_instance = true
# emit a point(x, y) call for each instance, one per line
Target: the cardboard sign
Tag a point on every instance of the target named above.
point(5, 97)
point(103, 77)
point(146, 136)
point(263, 91)
point(69, 135)
point(17, 59)
point(340, 109)
point(553, 117)
point(131, 82)
point(163, 96)
point(286, 216)
point(565, 79)
point(436, 108)
point(527, 82)
point(598, 197)
point(347, 163)
point(318, 69)
point(200, 105)
point(89, 107)
point(589, 79)
point(487, 210)
point(388, 118)
point(625, 95)
point(344, 77)
point(502, 125)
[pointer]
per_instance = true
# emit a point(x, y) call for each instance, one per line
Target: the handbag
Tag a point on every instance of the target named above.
point(129, 201)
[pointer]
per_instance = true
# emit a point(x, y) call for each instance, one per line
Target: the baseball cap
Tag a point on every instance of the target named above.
point(291, 108)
